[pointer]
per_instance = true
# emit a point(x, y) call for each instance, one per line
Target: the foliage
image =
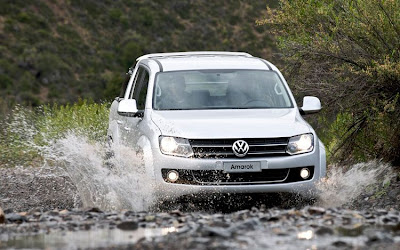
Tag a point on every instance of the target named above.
point(25, 131)
point(60, 51)
point(15, 138)
point(347, 53)
point(82, 118)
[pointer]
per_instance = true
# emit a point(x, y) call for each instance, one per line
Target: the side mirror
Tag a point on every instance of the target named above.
point(127, 107)
point(311, 105)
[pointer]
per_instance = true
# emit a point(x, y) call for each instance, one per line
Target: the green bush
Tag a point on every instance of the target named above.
point(83, 118)
point(24, 17)
point(5, 81)
point(129, 53)
point(25, 130)
point(115, 15)
point(348, 54)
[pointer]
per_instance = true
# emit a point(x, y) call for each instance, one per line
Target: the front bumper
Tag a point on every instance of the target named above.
point(166, 190)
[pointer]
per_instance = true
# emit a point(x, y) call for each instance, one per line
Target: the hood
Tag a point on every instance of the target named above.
point(237, 123)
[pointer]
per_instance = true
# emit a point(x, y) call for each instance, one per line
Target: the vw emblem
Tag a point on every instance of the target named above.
point(240, 148)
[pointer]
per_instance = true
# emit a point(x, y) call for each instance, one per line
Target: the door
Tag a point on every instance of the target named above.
point(116, 121)
point(131, 133)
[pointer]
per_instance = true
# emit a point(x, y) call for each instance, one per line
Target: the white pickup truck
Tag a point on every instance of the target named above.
point(222, 122)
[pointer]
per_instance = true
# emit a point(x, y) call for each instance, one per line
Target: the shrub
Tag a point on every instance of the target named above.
point(25, 130)
point(82, 118)
point(347, 52)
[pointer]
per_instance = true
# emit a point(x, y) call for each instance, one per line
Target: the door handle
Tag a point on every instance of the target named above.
point(119, 122)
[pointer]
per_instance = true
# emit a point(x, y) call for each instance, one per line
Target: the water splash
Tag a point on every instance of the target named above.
point(343, 186)
point(117, 183)
point(122, 183)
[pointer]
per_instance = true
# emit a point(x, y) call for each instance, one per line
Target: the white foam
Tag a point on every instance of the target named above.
point(343, 186)
point(122, 184)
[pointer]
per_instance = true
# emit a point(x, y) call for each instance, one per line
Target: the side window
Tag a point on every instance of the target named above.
point(140, 90)
point(126, 81)
point(141, 97)
point(124, 86)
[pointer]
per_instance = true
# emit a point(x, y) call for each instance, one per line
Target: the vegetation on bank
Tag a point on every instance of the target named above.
point(348, 54)
point(25, 131)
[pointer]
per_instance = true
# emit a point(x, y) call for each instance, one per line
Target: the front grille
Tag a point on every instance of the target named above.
point(222, 148)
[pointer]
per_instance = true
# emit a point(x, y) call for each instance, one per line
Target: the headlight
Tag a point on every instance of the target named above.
point(300, 144)
point(175, 146)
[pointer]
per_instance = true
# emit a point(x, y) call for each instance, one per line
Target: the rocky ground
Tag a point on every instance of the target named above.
point(42, 210)
point(25, 188)
point(307, 228)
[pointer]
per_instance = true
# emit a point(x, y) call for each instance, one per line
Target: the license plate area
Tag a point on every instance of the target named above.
point(242, 167)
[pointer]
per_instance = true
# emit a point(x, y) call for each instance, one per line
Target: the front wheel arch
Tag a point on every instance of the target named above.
point(144, 148)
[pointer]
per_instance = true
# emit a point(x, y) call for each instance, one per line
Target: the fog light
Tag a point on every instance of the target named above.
point(305, 173)
point(172, 176)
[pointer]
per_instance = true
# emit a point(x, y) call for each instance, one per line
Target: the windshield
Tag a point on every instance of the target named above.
point(219, 89)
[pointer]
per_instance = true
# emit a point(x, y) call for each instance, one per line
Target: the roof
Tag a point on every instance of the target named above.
point(192, 53)
point(206, 60)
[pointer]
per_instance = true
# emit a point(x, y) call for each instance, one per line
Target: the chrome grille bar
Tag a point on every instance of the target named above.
point(208, 148)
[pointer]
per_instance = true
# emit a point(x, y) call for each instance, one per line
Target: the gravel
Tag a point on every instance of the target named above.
point(25, 188)
point(252, 228)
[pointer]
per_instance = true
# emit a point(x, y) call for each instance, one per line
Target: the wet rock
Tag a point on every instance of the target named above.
point(176, 212)
point(8, 211)
point(241, 215)
point(184, 229)
point(85, 227)
point(64, 212)
point(15, 218)
point(53, 218)
point(279, 231)
point(250, 224)
point(128, 225)
point(346, 220)
point(113, 217)
point(340, 243)
point(375, 236)
point(53, 213)
point(94, 210)
point(216, 231)
point(263, 218)
point(150, 218)
point(353, 231)
point(23, 214)
point(329, 221)
point(201, 240)
point(368, 215)
point(219, 224)
point(2, 216)
point(272, 218)
point(324, 231)
point(34, 210)
point(392, 227)
point(316, 210)
point(127, 213)
point(381, 211)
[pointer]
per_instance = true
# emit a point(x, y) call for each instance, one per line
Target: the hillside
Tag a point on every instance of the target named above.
point(63, 50)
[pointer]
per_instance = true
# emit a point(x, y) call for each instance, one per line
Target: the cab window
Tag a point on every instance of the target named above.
point(139, 91)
